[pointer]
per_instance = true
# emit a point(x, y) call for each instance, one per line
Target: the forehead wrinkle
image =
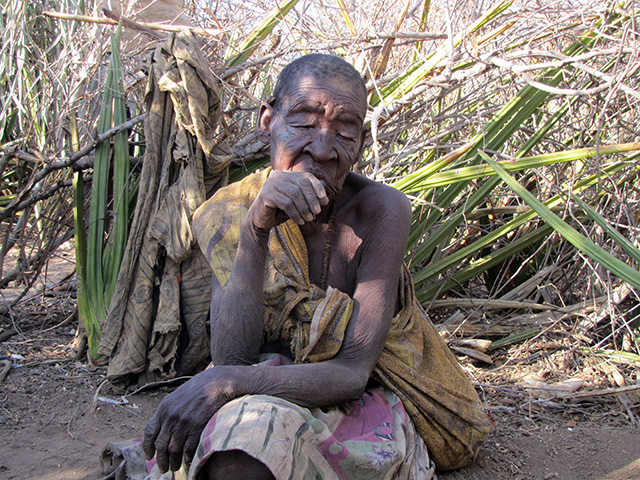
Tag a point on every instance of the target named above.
point(334, 111)
point(305, 105)
point(311, 92)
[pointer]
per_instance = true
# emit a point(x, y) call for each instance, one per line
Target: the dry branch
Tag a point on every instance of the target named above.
point(151, 26)
point(603, 393)
point(41, 195)
point(618, 296)
point(131, 24)
point(36, 260)
point(491, 304)
point(21, 200)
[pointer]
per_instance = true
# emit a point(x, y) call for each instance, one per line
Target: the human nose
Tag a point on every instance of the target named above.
point(321, 147)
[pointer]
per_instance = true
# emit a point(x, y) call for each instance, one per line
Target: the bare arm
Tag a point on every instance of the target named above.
point(236, 323)
point(345, 376)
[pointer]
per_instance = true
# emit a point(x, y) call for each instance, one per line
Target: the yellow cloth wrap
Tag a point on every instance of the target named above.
point(415, 364)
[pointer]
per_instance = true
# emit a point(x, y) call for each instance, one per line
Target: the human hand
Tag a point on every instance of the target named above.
point(298, 196)
point(174, 430)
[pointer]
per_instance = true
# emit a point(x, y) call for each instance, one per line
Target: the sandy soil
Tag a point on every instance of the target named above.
point(57, 414)
point(54, 426)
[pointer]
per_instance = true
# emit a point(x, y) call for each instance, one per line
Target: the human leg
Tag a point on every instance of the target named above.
point(234, 465)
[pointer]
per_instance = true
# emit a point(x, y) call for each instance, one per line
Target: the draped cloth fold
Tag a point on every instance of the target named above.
point(415, 365)
point(157, 322)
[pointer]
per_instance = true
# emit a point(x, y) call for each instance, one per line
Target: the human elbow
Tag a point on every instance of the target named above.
point(356, 383)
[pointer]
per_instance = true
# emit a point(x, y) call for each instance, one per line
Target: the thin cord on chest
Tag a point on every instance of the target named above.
point(326, 254)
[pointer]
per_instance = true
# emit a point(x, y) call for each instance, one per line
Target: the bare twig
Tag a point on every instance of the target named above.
point(64, 322)
point(48, 361)
point(42, 195)
point(69, 162)
point(603, 393)
point(131, 24)
point(151, 26)
point(488, 303)
point(5, 366)
point(94, 404)
point(36, 260)
point(158, 384)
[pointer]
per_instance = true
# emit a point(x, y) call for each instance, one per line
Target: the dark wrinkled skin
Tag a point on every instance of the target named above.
point(316, 136)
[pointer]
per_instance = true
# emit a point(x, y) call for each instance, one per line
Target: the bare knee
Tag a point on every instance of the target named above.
point(234, 465)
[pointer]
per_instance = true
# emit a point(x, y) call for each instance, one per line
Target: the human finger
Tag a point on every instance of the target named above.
point(321, 192)
point(314, 193)
point(162, 449)
point(176, 450)
point(190, 447)
point(307, 192)
point(298, 195)
point(296, 209)
point(150, 433)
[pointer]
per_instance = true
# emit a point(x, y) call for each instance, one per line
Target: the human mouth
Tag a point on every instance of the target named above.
point(319, 176)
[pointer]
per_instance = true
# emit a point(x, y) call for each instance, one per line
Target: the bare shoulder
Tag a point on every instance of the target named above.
point(378, 203)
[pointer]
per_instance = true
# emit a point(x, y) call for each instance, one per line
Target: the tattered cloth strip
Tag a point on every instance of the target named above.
point(416, 365)
point(157, 323)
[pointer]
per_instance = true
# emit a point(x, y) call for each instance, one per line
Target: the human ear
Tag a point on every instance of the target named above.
point(265, 115)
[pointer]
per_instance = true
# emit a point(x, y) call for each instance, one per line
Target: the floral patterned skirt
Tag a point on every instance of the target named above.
point(369, 438)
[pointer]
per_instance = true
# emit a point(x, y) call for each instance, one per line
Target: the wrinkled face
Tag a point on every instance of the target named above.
point(317, 128)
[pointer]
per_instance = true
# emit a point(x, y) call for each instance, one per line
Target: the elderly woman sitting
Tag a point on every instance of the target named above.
point(325, 366)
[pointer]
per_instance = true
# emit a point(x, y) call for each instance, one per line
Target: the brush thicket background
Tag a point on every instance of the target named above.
point(536, 254)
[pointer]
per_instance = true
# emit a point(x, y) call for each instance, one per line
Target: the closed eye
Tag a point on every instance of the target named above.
point(304, 126)
point(346, 136)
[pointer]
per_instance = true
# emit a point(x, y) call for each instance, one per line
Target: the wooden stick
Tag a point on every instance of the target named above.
point(80, 18)
point(131, 24)
point(488, 303)
point(19, 202)
point(217, 32)
point(152, 26)
point(158, 383)
point(603, 393)
point(408, 35)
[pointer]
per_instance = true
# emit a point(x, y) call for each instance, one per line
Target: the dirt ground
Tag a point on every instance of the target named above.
point(55, 426)
point(57, 413)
